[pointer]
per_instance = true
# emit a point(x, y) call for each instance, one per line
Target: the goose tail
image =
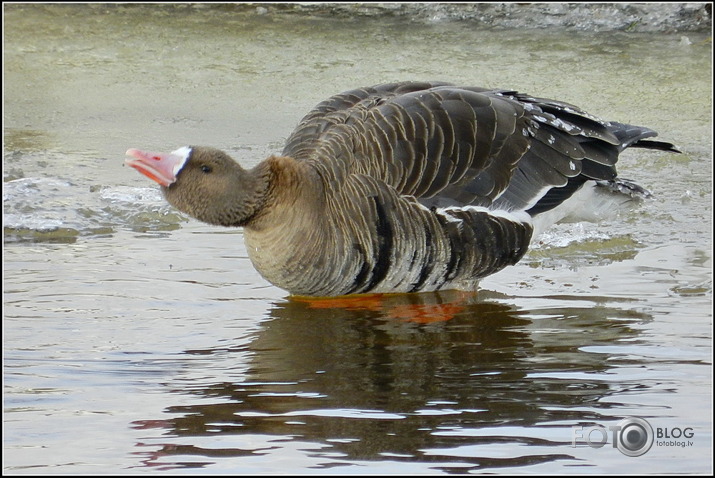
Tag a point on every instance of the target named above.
point(594, 201)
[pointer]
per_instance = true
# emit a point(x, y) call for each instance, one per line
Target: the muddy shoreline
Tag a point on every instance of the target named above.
point(584, 17)
point(594, 17)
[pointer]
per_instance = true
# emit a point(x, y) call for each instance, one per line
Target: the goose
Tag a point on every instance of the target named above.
point(406, 187)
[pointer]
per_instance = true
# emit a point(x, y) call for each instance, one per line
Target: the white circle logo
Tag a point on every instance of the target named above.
point(635, 436)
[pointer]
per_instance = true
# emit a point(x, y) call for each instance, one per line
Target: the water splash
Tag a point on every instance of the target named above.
point(37, 209)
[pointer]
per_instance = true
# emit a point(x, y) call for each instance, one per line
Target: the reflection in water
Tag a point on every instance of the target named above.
point(411, 377)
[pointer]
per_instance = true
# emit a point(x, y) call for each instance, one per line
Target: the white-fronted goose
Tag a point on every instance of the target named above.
point(403, 187)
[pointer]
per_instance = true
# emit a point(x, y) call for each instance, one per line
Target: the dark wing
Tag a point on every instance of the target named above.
point(590, 145)
point(456, 146)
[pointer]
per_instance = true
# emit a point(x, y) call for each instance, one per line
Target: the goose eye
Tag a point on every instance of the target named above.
point(206, 169)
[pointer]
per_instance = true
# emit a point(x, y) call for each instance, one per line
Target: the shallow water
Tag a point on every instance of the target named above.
point(138, 340)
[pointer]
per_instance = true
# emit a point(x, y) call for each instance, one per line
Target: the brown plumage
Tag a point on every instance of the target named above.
point(402, 187)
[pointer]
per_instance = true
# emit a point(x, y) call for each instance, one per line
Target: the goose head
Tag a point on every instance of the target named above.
point(205, 183)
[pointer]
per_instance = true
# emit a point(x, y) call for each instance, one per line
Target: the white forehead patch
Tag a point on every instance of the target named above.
point(183, 153)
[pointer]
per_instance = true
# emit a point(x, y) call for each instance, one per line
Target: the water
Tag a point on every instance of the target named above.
point(137, 340)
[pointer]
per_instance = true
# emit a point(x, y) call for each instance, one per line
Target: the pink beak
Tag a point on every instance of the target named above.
point(160, 167)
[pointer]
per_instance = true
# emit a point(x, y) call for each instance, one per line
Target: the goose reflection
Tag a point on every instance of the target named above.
point(404, 377)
